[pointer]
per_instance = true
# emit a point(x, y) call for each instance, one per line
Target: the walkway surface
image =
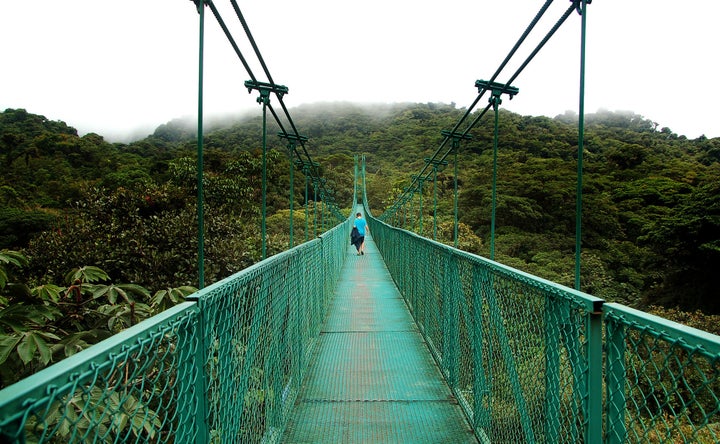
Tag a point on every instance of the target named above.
point(372, 379)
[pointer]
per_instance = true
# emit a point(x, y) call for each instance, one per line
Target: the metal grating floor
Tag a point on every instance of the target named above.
point(372, 378)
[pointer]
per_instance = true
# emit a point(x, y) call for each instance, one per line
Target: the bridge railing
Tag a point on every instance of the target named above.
point(225, 366)
point(529, 360)
point(662, 379)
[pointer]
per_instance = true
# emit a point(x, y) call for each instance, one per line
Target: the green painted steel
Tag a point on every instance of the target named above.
point(662, 381)
point(225, 368)
point(306, 171)
point(137, 386)
point(200, 167)
point(528, 361)
point(372, 378)
point(582, 9)
point(525, 359)
point(291, 149)
point(509, 385)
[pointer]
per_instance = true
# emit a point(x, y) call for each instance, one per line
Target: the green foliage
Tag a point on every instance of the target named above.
point(651, 234)
point(17, 226)
point(49, 322)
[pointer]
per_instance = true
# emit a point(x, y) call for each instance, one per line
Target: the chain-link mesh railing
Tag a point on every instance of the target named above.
point(513, 347)
point(224, 367)
point(137, 386)
point(662, 378)
point(262, 325)
point(529, 362)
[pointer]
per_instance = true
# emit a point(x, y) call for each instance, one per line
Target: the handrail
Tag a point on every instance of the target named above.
point(531, 360)
point(224, 365)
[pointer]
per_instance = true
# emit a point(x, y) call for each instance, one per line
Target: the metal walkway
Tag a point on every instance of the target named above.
point(372, 378)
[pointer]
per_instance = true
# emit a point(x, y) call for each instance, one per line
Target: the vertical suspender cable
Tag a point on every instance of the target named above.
point(263, 228)
point(421, 206)
point(291, 149)
point(435, 202)
point(581, 137)
point(307, 215)
point(495, 100)
point(200, 199)
point(455, 198)
point(315, 219)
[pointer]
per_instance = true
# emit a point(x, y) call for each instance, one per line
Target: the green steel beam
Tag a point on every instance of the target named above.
point(200, 195)
point(265, 89)
point(581, 139)
point(497, 90)
point(455, 137)
point(292, 149)
point(437, 165)
point(420, 181)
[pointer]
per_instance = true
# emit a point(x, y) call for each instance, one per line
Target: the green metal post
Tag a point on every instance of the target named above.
point(421, 180)
point(581, 137)
point(291, 149)
point(355, 184)
point(497, 90)
point(322, 210)
point(595, 378)
point(404, 222)
point(200, 198)
point(265, 98)
point(315, 187)
point(436, 164)
point(456, 138)
point(435, 169)
point(496, 101)
point(364, 179)
point(202, 433)
point(481, 391)
point(455, 197)
point(552, 370)
point(451, 321)
point(292, 144)
point(616, 397)
point(307, 213)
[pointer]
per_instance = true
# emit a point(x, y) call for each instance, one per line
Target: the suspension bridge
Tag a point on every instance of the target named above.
point(415, 341)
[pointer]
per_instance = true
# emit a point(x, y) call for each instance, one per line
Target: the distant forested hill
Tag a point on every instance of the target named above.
point(95, 236)
point(651, 216)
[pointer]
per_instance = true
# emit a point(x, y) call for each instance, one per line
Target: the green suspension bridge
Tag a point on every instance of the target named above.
point(416, 341)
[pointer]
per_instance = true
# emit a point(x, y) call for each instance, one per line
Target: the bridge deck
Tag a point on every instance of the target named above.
point(372, 378)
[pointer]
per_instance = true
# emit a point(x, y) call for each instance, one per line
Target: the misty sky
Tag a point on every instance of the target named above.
point(124, 67)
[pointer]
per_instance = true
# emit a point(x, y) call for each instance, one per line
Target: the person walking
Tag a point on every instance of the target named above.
point(362, 228)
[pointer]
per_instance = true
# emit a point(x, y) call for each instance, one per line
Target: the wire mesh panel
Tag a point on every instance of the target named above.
point(262, 324)
point(138, 386)
point(224, 367)
point(513, 347)
point(662, 380)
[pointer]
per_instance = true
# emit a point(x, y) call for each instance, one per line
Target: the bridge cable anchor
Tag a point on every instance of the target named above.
point(265, 89)
point(496, 90)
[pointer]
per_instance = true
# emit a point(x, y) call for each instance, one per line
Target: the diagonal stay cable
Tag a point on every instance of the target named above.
point(315, 171)
point(524, 65)
point(230, 38)
point(527, 61)
point(260, 58)
point(540, 45)
point(537, 49)
point(502, 65)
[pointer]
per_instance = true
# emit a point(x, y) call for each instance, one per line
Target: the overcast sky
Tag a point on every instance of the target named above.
point(118, 66)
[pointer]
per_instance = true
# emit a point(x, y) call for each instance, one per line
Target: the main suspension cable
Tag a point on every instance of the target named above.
point(424, 171)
